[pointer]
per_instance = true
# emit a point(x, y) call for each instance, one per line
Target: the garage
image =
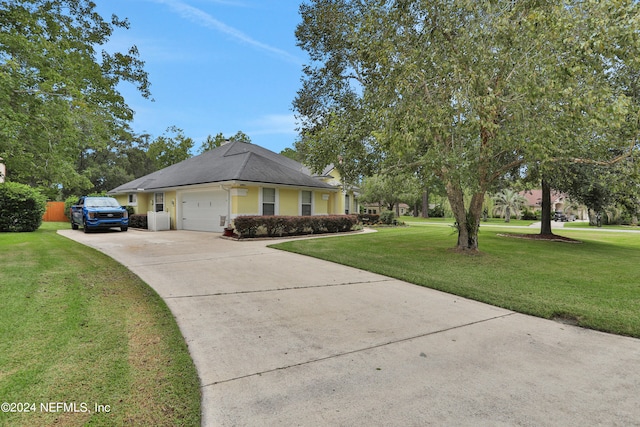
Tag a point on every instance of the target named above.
point(202, 210)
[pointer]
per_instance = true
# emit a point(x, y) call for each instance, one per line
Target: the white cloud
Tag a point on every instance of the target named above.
point(203, 18)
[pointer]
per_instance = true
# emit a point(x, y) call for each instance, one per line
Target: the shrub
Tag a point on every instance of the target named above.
point(369, 219)
point(21, 207)
point(529, 215)
point(387, 217)
point(138, 221)
point(275, 226)
point(246, 226)
point(69, 201)
point(436, 212)
point(339, 223)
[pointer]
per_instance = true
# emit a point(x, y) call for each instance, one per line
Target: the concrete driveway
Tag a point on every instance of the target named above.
point(283, 339)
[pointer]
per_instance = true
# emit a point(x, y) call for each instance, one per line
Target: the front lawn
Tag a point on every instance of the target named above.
point(413, 220)
point(585, 224)
point(595, 284)
point(80, 330)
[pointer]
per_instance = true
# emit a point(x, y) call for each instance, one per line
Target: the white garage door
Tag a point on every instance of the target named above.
point(201, 211)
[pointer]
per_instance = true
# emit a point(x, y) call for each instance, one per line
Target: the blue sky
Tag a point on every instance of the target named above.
point(214, 66)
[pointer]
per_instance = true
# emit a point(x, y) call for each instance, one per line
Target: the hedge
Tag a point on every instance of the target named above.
point(138, 221)
point(21, 207)
point(278, 226)
point(369, 219)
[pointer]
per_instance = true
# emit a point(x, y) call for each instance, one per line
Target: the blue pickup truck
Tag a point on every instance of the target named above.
point(92, 213)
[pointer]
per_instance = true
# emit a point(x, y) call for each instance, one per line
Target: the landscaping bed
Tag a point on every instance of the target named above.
point(545, 237)
point(248, 227)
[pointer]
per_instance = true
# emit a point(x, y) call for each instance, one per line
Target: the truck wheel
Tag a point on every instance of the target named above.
point(84, 227)
point(124, 228)
point(74, 226)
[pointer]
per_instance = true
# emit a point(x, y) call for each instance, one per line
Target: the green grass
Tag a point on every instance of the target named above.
point(585, 224)
point(595, 283)
point(490, 221)
point(77, 327)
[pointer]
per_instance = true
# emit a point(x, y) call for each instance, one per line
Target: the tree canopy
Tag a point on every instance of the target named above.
point(169, 149)
point(472, 91)
point(59, 98)
point(210, 143)
point(389, 189)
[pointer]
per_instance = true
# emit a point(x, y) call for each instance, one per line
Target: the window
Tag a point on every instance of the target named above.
point(268, 201)
point(133, 199)
point(159, 202)
point(306, 203)
point(346, 203)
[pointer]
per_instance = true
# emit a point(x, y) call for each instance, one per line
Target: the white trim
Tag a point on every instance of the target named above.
point(154, 201)
point(239, 192)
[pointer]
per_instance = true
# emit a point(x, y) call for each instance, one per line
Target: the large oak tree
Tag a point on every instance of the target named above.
point(59, 98)
point(470, 90)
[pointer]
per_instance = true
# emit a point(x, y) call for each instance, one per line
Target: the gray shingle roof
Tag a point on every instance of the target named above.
point(235, 161)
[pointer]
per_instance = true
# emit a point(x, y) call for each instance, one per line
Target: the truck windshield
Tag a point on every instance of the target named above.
point(101, 202)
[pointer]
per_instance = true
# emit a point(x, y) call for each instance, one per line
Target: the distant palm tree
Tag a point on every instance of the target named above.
point(508, 201)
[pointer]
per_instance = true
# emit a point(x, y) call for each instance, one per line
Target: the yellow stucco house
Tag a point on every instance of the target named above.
point(206, 192)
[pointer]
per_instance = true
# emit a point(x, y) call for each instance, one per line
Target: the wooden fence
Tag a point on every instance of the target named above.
point(55, 212)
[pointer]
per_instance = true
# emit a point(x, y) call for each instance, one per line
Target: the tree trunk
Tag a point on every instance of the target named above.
point(593, 221)
point(473, 219)
point(425, 204)
point(456, 200)
point(545, 225)
point(467, 223)
point(507, 214)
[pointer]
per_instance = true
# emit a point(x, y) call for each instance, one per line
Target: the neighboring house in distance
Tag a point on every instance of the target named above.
point(559, 203)
point(534, 199)
point(206, 192)
point(377, 208)
point(372, 208)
